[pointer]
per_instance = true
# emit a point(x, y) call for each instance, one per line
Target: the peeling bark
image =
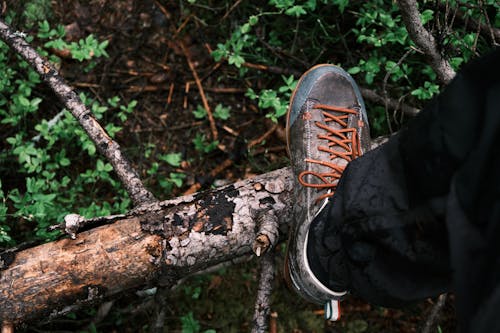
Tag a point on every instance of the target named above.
point(156, 244)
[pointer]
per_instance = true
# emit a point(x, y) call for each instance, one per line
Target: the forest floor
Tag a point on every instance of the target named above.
point(150, 47)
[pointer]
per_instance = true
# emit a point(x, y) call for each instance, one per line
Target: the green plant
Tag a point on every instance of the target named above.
point(35, 11)
point(191, 325)
point(200, 112)
point(275, 100)
point(85, 49)
point(174, 159)
point(42, 180)
point(222, 112)
point(368, 38)
point(202, 145)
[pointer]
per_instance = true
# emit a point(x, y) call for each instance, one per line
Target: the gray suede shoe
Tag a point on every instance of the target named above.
point(327, 127)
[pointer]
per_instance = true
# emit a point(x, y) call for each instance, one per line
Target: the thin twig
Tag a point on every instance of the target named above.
point(384, 86)
point(233, 7)
point(159, 310)
point(263, 136)
point(218, 169)
point(372, 96)
point(486, 28)
point(104, 143)
point(51, 123)
point(431, 320)
point(272, 69)
point(74, 223)
point(170, 93)
point(213, 128)
point(425, 40)
point(494, 33)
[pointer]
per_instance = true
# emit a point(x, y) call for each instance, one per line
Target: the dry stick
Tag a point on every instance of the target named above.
point(105, 144)
point(263, 136)
point(272, 69)
point(273, 322)
point(262, 308)
point(218, 169)
point(434, 313)
point(7, 327)
point(425, 40)
point(201, 91)
point(267, 237)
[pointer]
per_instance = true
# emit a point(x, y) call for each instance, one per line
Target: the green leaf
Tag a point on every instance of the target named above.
point(341, 4)
point(222, 112)
point(24, 101)
point(245, 28)
point(64, 162)
point(426, 15)
point(236, 60)
point(174, 159)
point(253, 20)
point(200, 112)
point(177, 178)
point(354, 70)
point(189, 324)
point(296, 11)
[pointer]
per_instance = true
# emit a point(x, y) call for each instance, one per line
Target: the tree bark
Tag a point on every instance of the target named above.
point(156, 244)
point(425, 40)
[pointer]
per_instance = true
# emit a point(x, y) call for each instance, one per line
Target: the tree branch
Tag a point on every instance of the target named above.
point(262, 303)
point(425, 40)
point(433, 316)
point(104, 143)
point(156, 244)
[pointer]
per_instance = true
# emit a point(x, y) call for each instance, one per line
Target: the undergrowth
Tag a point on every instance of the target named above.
point(49, 166)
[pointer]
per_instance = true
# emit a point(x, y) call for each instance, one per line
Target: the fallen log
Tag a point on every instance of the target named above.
point(155, 244)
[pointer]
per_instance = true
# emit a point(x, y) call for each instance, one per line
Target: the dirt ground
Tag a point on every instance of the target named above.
point(147, 63)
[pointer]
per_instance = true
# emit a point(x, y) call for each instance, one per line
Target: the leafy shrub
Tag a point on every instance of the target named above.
point(43, 174)
point(368, 38)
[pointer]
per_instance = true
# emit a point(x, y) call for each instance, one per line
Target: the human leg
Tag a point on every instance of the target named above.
point(391, 233)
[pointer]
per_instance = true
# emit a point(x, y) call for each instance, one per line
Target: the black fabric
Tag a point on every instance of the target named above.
point(420, 215)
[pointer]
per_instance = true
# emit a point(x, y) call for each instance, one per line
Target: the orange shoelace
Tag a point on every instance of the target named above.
point(335, 137)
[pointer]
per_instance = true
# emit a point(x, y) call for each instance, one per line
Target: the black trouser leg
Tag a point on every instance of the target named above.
point(421, 214)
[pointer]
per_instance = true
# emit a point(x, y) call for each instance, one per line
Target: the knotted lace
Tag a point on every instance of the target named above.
point(344, 138)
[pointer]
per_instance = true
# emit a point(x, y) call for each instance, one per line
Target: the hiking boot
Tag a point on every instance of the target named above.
point(326, 128)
